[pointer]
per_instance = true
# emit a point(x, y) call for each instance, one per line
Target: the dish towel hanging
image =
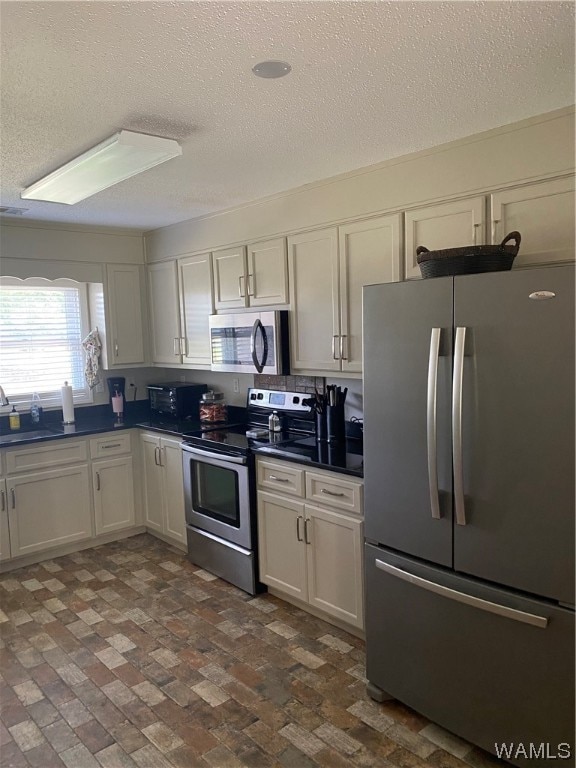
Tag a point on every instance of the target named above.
point(92, 346)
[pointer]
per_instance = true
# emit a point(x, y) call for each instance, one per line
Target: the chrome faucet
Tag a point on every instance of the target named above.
point(3, 399)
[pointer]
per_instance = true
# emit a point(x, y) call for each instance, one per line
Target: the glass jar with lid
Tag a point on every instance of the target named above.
point(213, 408)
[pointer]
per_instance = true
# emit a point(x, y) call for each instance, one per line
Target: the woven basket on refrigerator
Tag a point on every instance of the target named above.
point(468, 259)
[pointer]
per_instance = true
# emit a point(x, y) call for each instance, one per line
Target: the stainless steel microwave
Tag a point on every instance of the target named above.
point(250, 342)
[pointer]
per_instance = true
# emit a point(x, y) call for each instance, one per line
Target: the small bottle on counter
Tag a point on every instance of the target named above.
point(14, 418)
point(35, 409)
point(274, 424)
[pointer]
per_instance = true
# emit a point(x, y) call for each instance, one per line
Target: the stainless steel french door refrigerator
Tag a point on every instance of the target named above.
point(469, 505)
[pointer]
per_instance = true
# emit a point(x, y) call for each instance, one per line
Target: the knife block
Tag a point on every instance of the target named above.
point(335, 425)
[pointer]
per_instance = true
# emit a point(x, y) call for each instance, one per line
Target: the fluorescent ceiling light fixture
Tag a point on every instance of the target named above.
point(121, 156)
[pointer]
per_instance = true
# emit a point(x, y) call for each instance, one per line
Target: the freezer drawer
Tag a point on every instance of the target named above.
point(487, 664)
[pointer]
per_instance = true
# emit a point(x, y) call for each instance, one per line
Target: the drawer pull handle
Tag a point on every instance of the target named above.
point(306, 539)
point(331, 493)
point(13, 494)
point(111, 445)
point(298, 536)
point(97, 481)
point(3, 495)
point(278, 479)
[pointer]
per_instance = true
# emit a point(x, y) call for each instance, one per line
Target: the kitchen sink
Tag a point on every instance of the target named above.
point(31, 434)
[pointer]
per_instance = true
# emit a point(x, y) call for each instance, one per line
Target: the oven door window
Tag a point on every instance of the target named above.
point(215, 493)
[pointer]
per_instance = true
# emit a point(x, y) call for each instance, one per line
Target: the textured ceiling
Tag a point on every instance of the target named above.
point(369, 81)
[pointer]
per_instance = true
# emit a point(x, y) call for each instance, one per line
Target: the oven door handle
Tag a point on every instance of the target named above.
point(201, 453)
point(259, 365)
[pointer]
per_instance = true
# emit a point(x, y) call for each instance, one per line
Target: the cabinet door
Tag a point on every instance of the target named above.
point(314, 320)
point(173, 490)
point(230, 289)
point(47, 509)
point(164, 313)
point(4, 529)
point(281, 544)
point(369, 253)
point(126, 337)
point(196, 306)
point(152, 473)
point(113, 485)
point(267, 280)
point(335, 571)
point(449, 225)
point(543, 214)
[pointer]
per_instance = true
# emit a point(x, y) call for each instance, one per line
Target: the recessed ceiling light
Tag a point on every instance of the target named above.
point(271, 69)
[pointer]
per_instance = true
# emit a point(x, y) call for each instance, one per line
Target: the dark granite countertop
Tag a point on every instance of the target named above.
point(90, 420)
point(345, 457)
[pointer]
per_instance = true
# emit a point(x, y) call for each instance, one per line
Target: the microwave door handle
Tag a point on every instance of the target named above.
point(259, 365)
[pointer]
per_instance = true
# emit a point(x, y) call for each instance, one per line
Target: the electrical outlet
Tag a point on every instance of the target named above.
point(100, 387)
point(182, 377)
point(236, 384)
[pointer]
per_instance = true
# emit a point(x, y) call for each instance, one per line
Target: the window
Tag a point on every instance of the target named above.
point(42, 324)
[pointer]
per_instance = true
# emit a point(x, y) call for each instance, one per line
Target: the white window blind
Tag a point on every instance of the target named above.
point(42, 324)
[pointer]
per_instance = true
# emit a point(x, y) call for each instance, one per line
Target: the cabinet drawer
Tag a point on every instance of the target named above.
point(52, 454)
point(110, 445)
point(281, 478)
point(335, 492)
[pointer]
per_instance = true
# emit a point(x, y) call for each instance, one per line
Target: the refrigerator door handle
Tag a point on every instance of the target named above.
point(431, 423)
point(457, 461)
point(461, 597)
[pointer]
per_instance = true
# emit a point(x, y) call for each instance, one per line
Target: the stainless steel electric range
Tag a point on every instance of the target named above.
point(220, 485)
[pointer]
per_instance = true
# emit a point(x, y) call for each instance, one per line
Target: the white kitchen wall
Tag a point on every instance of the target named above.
point(536, 148)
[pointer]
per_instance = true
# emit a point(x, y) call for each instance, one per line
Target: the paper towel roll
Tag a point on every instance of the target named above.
point(67, 404)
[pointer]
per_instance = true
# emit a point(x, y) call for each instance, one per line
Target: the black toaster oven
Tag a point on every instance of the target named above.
point(175, 400)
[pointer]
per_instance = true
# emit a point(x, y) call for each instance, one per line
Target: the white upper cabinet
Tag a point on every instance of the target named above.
point(255, 276)
point(230, 278)
point(543, 213)
point(164, 313)
point(449, 225)
point(116, 310)
point(196, 306)
point(328, 269)
point(267, 278)
point(369, 253)
point(315, 316)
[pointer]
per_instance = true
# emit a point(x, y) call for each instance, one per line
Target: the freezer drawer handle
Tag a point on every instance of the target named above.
point(461, 597)
point(457, 463)
point(431, 423)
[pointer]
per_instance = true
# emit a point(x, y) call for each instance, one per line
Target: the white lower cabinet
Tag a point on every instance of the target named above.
point(334, 560)
point(163, 486)
point(48, 509)
point(280, 541)
point(112, 482)
point(4, 529)
point(113, 487)
point(309, 552)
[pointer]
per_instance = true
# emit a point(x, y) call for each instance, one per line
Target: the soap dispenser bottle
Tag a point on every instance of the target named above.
point(14, 418)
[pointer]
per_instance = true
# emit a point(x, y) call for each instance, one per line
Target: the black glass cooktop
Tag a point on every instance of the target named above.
point(233, 439)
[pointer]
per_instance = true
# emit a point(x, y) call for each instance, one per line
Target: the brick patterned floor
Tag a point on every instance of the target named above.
point(129, 655)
